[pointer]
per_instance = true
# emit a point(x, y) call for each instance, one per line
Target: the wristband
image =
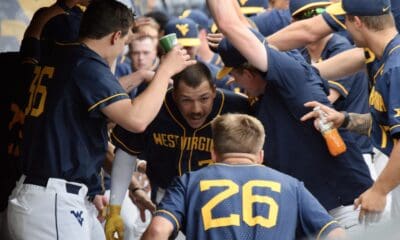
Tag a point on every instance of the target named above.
point(346, 119)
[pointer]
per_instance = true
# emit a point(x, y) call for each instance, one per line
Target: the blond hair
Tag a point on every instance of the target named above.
point(237, 133)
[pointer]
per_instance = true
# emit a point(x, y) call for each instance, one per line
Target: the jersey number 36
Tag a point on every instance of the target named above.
point(248, 199)
point(38, 91)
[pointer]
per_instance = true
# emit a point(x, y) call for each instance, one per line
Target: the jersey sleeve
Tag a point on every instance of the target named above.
point(295, 80)
point(98, 86)
point(335, 22)
point(314, 219)
point(393, 79)
point(172, 206)
point(132, 143)
point(342, 86)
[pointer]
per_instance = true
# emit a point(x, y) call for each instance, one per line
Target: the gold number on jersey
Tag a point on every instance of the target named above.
point(38, 92)
point(248, 199)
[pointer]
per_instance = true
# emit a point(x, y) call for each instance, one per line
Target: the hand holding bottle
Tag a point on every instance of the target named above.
point(334, 141)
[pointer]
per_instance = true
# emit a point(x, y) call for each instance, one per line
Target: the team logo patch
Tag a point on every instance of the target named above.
point(78, 216)
point(183, 28)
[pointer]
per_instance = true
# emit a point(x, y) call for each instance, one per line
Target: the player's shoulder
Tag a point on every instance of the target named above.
point(231, 101)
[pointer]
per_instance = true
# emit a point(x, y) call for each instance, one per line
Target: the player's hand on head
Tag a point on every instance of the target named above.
point(214, 39)
point(330, 114)
point(176, 60)
point(141, 199)
point(372, 203)
point(114, 227)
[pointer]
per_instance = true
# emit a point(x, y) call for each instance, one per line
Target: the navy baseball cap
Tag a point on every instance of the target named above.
point(197, 16)
point(360, 7)
point(186, 31)
point(249, 7)
point(231, 57)
point(298, 6)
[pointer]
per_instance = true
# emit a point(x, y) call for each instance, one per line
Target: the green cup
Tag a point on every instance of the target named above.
point(168, 42)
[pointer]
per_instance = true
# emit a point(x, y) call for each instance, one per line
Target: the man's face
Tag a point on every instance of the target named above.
point(143, 53)
point(354, 32)
point(192, 51)
point(253, 84)
point(195, 104)
point(119, 44)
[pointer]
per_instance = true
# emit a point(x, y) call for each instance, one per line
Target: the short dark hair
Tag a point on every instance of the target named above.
point(193, 76)
point(375, 23)
point(104, 17)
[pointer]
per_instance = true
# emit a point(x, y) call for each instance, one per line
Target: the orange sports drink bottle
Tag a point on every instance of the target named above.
point(333, 140)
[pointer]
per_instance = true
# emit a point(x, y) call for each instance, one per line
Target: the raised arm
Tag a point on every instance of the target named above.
point(230, 24)
point(136, 115)
point(343, 64)
point(300, 33)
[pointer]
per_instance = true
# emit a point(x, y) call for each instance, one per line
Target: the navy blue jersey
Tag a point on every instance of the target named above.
point(65, 131)
point(353, 90)
point(396, 12)
point(225, 201)
point(123, 67)
point(384, 98)
point(272, 21)
point(170, 146)
point(217, 61)
point(11, 123)
point(337, 24)
point(297, 148)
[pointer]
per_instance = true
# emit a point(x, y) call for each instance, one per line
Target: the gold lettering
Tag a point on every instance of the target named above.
point(157, 139)
point(376, 100)
point(202, 143)
point(171, 140)
point(194, 143)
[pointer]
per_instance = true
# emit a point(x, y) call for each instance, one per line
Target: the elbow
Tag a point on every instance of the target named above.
point(139, 126)
point(226, 24)
point(155, 231)
point(136, 126)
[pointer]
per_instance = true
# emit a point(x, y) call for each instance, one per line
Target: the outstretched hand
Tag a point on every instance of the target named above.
point(330, 114)
point(141, 199)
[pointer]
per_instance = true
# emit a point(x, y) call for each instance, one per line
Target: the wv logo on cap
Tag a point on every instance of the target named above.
point(183, 28)
point(243, 2)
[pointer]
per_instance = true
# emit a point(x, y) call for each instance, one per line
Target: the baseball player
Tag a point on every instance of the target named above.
point(346, 94)
point(179, 139)
point(383, 122)
point(284, 82)
point(237, 197)
point(71, 99)
point(20, 66)
point(304, 32)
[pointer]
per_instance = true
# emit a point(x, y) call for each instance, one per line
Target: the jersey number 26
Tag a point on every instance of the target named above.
point(248, 199)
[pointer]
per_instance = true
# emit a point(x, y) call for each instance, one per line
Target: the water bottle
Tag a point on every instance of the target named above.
point(332, 137)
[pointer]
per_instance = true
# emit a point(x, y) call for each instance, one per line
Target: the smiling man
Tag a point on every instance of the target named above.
point(179, 139)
